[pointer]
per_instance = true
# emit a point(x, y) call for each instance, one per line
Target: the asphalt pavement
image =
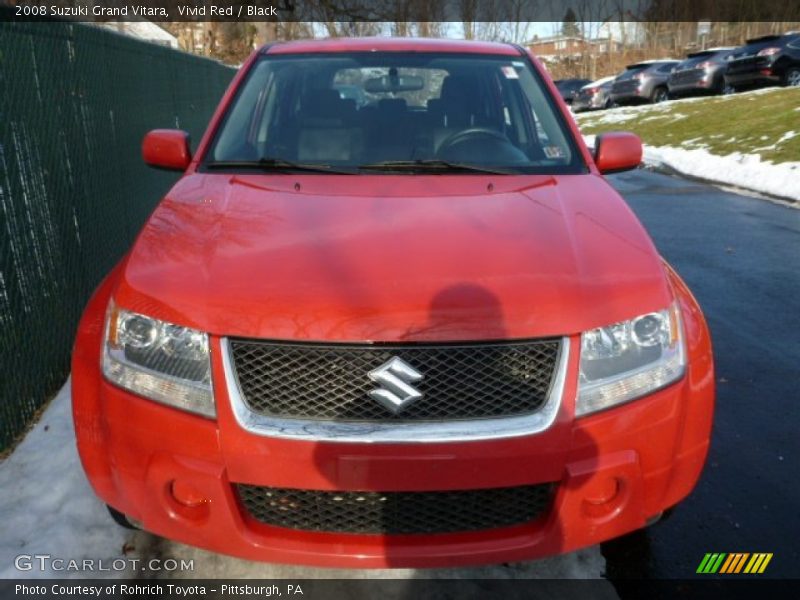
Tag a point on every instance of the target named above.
point(741, 258)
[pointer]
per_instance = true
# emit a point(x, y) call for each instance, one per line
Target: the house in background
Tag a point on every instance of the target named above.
point(557, 46)
point(143, 30)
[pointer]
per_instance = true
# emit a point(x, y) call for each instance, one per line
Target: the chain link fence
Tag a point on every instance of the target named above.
point(75, 102)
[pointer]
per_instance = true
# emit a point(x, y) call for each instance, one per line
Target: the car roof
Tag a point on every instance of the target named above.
point(393, 44)
point(768, 38)
point(600, 81)
point(650, 63)
point(708, 52)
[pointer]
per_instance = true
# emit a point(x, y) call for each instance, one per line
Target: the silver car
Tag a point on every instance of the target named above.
point(643, 82)
point(593, 95)
point(701, 72)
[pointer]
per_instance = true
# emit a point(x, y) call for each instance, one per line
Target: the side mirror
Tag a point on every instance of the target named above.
point(617, 151)
point(167, 149)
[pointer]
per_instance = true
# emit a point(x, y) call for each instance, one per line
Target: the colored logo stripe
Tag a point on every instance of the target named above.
point(711, 563)
point(758, 563)
point(735, 562)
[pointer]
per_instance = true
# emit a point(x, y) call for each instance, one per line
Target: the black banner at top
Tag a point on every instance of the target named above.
point(780, 11)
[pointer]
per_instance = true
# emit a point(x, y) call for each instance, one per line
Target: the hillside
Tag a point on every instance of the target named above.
point(751, 140)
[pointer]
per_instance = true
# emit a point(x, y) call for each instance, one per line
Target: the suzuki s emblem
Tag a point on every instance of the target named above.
point(395, 391)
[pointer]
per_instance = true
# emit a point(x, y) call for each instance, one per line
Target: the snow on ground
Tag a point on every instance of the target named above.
point(47, 507)
point(621, 114)
point(745, 171)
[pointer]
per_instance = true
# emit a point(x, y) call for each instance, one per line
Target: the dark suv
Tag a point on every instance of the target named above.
point(701, 72)
point(768, 60)
point(643, 82)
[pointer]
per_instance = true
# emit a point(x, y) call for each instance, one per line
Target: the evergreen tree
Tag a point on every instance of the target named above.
point(569, 25)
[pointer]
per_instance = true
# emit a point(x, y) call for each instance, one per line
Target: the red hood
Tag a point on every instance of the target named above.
point(385, 257)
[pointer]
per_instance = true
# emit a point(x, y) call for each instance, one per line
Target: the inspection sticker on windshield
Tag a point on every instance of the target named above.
point(510, 72)
point(554, 152)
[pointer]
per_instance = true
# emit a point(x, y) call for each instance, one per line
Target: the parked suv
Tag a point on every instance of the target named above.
point(768, 60)
point(701, 72)
point(420, 332)
point(643, 82)
point(594, 95)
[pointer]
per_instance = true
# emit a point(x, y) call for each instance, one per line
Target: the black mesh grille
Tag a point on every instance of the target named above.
point(331, 382)
point(395, 512)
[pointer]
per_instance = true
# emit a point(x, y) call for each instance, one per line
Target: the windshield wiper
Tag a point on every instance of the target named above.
point(277, 164)
point(433, 164)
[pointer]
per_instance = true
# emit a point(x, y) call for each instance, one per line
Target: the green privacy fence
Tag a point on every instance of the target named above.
point(75, 101)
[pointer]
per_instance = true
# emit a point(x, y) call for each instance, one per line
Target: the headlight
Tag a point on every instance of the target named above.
point(158, 360)
point(627, 360)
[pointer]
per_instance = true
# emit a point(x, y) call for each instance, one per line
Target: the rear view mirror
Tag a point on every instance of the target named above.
point(617, 151)
point(167, 149)
point(393, 83)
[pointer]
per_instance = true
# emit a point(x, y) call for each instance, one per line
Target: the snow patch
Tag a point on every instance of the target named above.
point(47, 505)
point(746, 171)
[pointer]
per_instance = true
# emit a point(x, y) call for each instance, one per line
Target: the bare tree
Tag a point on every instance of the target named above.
point(469, 17)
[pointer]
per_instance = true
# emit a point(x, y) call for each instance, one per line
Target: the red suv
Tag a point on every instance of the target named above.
point(416, 330)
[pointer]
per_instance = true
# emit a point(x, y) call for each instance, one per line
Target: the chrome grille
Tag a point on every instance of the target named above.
point(331, 381)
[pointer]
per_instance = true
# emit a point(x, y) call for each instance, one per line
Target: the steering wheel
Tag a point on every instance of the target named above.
point(473, 133)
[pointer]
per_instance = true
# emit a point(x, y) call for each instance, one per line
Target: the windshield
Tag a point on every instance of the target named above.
point(383, 111)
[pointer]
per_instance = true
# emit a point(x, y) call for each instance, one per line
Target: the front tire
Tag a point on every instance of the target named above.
point(660, 94)
point(120, 518)
point(792, 77)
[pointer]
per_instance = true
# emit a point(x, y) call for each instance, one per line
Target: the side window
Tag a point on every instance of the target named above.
point(794, 44)
point(666, 68)
point(266, 111)
point(241, 129)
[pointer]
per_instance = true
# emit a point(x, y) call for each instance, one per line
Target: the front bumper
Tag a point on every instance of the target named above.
point(634, 96)
point(612, 471)
point(753, 78)
point(593, 103)
point(700, 86)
